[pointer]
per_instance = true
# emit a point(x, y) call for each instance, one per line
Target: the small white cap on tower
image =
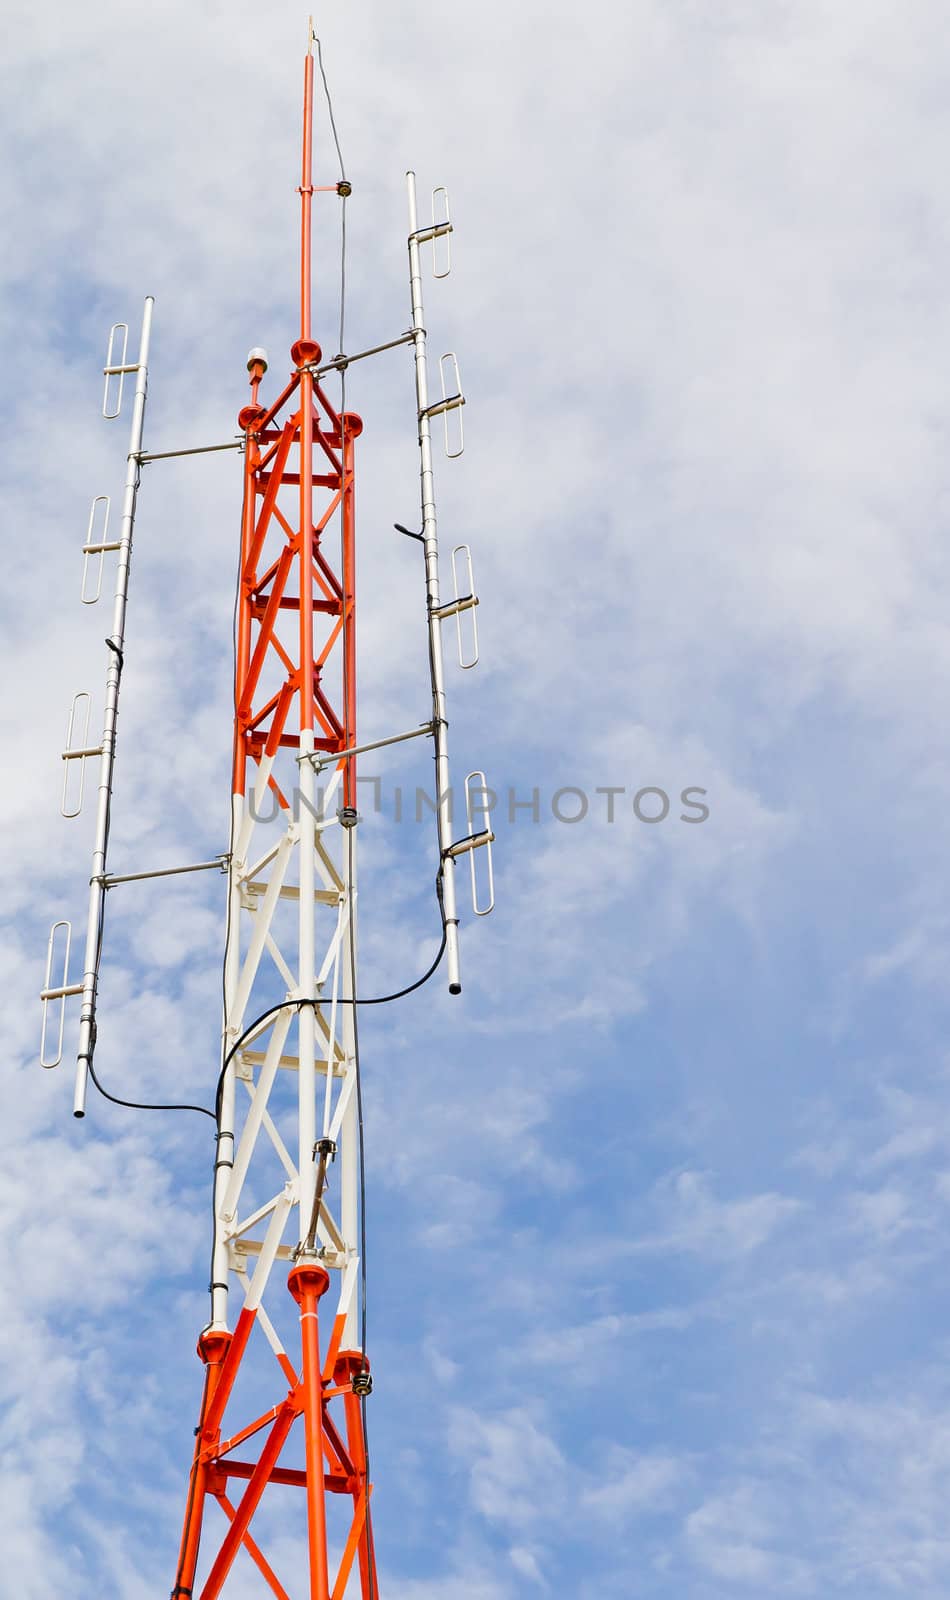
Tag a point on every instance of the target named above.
point(257, 354)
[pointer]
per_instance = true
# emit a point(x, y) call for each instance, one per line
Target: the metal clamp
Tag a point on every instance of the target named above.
point(96, 545)
point(114, 368)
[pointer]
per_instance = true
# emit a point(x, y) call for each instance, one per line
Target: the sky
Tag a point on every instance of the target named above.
point(657, 1207)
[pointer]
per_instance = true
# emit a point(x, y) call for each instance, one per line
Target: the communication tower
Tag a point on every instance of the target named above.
point(286, 1370)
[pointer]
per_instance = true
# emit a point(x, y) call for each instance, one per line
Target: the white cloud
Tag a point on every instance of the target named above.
point(883, 1212)
point(634, 1484)
point(518, 1476)
point(729, 1535)
point(583, 1346)
point(698, 1222)
point(526, 1564)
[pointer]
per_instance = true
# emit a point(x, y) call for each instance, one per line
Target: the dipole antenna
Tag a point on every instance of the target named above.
point(78, 748)
point(289, 1219)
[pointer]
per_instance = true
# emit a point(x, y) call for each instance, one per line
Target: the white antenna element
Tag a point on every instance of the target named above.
point(476, 837)
point(441, 229)
point(77, 752)
point(452, 400)
point(465, 602)
point(115, 643)
point(96, 545)
point(431, 547)
point(115, 369)
point(437, 612)
point(56, 992)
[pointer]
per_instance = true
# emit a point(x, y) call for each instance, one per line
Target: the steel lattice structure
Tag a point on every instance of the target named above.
point(295, 689)
point(288, 1216)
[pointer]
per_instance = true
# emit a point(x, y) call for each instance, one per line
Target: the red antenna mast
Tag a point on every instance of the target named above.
point(294, 689)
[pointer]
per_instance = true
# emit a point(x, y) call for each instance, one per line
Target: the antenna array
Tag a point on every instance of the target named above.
point(290, 955)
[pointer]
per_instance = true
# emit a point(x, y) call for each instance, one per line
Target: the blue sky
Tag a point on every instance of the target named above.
point(658, 1207)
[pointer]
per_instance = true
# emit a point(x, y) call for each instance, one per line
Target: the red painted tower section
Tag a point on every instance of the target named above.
point(294, 676)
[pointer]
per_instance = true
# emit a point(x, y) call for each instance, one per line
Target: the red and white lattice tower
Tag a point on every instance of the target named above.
point(286, 1374)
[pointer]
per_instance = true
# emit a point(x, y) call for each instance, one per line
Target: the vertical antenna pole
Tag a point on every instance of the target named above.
point(431, 547)
point(291, 702)
point(306, 972)
point(224, 1150)
point(224, 1147)
point(97, 892)
point(306, 189)
point(350, 1156)
point(348, 512)
point(309, 1280)
point(352, 1336)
